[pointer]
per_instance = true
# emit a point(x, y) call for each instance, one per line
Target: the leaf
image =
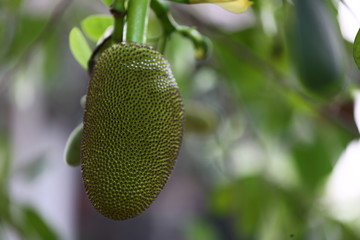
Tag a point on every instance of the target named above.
point(2, 31)
point(11, 4)
point(237, 6)
point(36, 225)
point(356, 49)
point(5, 162)
point(312, 162)
point(107, 2)
point(220, 200)
point(357, 108)
point(79, 47)
point(314, 158)
point(201, 230)
point(4, 206)
point(95, 26)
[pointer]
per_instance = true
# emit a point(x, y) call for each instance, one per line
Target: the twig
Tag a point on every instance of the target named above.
point(118, 11)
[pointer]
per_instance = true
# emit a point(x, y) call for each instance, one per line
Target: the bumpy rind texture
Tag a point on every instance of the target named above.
point(133, 127)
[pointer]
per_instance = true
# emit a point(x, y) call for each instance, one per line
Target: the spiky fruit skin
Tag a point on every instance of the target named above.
point(133, 127)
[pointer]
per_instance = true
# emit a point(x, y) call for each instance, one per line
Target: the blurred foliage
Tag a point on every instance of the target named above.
point(261, 145)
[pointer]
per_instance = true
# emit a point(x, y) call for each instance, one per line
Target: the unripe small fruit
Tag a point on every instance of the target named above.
point(72, 147)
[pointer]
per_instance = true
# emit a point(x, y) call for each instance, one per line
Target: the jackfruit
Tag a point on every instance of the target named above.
point(316, 48)
point(133, 128)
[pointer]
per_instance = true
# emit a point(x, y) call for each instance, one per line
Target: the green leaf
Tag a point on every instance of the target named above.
point(95, 26)
point(107, 2)
point(5, 155)
point(79, 47)
point(356, 49)
point(201, 230)
point(35, 225)
point(11, 4)
point(220, 201)
point(4, 206)
point(314, 158)
point(312, 162)
point(2, 31)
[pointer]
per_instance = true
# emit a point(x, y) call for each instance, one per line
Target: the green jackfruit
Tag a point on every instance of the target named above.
point(133, 127)
point(316, 48)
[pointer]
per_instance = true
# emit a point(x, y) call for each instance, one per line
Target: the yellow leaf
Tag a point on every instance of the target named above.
point(210, 1)
point(237, 6)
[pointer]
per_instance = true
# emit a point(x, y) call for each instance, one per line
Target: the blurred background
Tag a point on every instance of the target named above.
point(264, 156)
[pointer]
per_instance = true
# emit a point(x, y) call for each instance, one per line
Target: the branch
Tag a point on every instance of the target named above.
point(118, 11)
point(137, 18)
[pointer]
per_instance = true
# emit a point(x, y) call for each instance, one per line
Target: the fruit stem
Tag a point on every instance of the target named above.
point(201, 43)
point(137, 19)
point(161, 9)
point(117, 9)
